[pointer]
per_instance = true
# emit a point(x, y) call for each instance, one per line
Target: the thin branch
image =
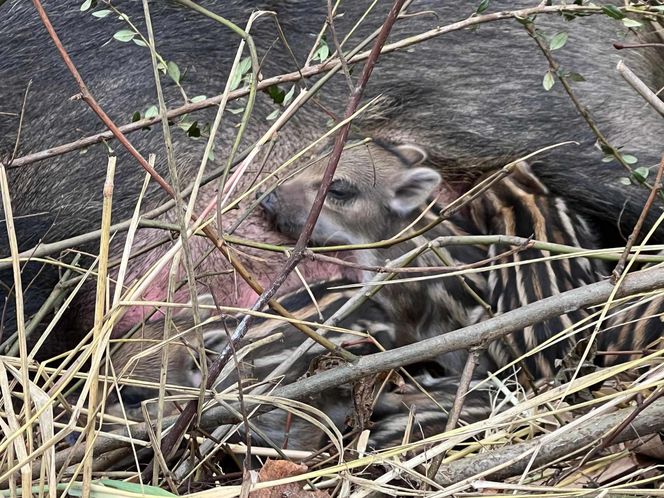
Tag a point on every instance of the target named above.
point(511, 460)
point(455, 412)
point(654, 192)
point(640, 87)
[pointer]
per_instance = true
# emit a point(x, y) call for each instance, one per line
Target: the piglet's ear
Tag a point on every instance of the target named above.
point(412, 188)
point(412, 154)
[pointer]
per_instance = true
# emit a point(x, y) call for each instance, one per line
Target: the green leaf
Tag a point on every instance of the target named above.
point(484, 4)
point(273, 115)
point(289, 96)
point(558, 41)
point(197, 98)
point(548, 81)
point(101, 13)
point(641, 174)
point(235, 80)
point(575, 76)
point(276, 94)
point(124, 35)
point(135, 117)
point(139, 42)
point(151, 112)
point(244, 66)
point(323, 51)
point(631, 23)
point(629, 159)
point(133, 487)
point(86, 5)
point(236, 111)
point(625, 181)
point(194, 131)
point(173, 71)
point(612, 11)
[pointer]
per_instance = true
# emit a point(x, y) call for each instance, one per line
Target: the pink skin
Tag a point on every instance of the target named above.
point(228, 289)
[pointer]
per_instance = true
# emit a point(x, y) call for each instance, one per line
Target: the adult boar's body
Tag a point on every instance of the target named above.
point(472, 99)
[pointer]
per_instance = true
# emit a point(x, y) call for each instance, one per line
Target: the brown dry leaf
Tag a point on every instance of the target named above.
point(653, 447)
point(610, 472)
point(325, 362)
point(395, 379)
point(363, 396)
point(279, 469)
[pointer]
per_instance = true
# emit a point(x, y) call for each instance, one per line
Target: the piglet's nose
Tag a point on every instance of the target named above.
point(269, 202)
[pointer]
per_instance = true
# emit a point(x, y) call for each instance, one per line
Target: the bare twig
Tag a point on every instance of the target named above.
point(457, 406)
point(654, 192)
point(649, 421)
point(640, 87)
point(337, 45)
point(610, 438)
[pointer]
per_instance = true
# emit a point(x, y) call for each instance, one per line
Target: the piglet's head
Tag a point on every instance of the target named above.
point(376, 192)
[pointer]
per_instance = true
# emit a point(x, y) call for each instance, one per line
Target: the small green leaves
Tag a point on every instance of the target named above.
point(641, 174)
point(244, 66)
point(139, 42)
point(86, 5)
point(276, 94)
point(631, 23)
point(572, 76)
point(625, 181)
point(194, 131)
point(240, 72)
point(197, 98)
point(484, 4)
point(135, 117)
point(124, 35)
point(273, 115)
point(629, 159)
point(191, 128)
point(101, 13)
point(558, 41)
point(151, 112)
point(322, 51)
point(548, 81)
point(173, 71)
point(613, 12)
point(289, 96)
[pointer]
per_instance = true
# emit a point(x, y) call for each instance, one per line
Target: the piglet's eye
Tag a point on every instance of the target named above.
point(341, 190)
